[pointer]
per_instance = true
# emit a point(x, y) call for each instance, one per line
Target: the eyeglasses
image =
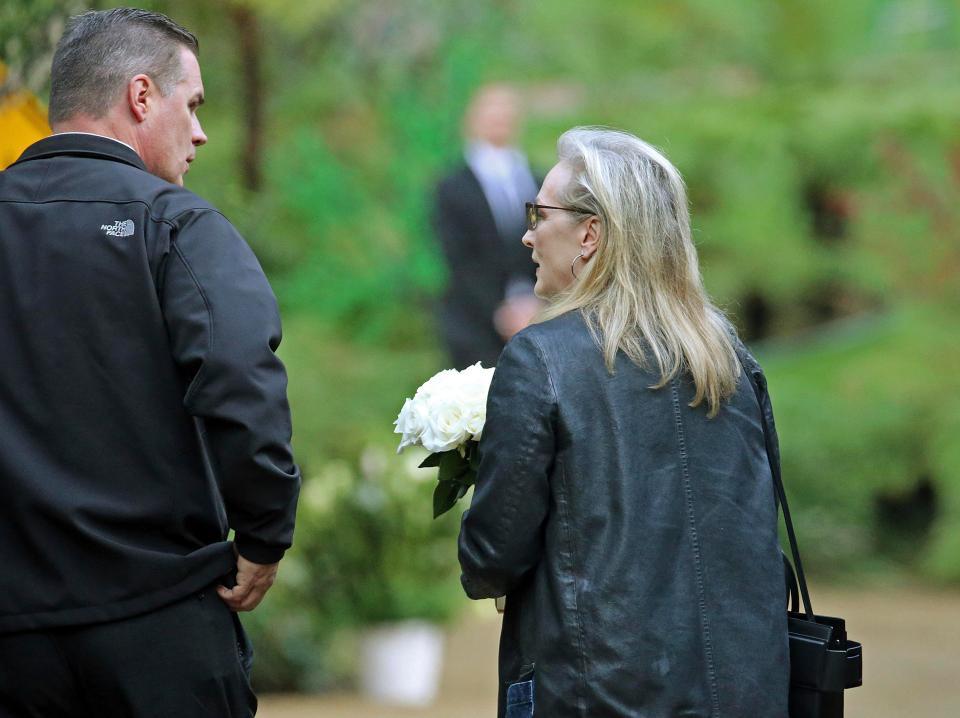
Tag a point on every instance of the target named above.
point(533, 218)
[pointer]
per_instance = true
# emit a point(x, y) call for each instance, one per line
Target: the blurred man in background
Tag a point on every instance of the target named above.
point(143, 411)
point(479, 219)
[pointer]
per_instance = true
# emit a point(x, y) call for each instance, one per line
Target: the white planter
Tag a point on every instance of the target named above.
point(400, 663)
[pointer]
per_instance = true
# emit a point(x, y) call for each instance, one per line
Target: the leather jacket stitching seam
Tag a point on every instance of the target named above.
point(695, 544)
point(581, 638)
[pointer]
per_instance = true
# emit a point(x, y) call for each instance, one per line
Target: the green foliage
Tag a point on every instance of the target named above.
point(368, 550)
point(296, 645)
point(28, 31)
point(392, 561)
point(858, 418)
point(367, 202)
point(344, 398)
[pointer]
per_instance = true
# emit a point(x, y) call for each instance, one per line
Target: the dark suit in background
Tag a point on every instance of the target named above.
point(486, 266)
point(478, 217)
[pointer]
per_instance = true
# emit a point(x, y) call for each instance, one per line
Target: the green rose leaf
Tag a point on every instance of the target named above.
point(431, 461)
point(445, 496)
point(452, 466)
point(455, 475)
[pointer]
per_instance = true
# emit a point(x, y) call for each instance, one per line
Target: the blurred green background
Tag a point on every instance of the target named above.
point(821, 144)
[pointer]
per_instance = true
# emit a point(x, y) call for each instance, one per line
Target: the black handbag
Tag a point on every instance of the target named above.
point(823, 661)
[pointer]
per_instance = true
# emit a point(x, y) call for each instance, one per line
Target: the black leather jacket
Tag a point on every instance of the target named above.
point(635, 539)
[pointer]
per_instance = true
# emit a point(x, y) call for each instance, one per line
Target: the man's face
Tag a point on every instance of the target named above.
point(495, 117)
point(172, 131)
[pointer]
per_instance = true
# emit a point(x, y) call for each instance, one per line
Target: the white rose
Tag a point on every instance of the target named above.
point(411, 422)
point(474, 389)
point(475, 423)
point(447, 426)
point(477, 376)
point(448, 409)
point(441, 384)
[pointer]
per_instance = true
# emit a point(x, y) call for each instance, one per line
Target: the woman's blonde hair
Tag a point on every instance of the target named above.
point(642, 292)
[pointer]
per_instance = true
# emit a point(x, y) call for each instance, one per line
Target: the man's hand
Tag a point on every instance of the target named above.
point(253, 581)
point(515, 313)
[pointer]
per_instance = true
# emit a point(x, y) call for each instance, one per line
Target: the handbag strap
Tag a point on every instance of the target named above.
point(759, 388)
point(790, 582)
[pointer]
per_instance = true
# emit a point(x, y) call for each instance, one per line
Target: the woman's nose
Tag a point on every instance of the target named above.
point(527, 239)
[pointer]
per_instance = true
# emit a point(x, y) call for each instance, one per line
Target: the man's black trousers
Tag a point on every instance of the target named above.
point(189, 659)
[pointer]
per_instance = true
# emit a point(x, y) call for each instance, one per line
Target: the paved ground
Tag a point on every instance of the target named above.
point(911, 643)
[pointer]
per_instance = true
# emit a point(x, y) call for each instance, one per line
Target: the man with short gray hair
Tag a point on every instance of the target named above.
point(143, 410)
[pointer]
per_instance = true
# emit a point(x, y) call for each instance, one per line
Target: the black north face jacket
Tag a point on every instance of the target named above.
point(143, 411)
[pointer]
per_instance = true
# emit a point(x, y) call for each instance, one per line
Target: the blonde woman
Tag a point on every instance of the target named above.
point(624, 502)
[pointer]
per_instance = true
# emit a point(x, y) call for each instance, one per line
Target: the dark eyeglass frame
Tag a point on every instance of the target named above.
point(533, 219)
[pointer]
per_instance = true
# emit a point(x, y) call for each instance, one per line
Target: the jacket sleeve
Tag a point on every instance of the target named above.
point(224, 328)
point(501, 535)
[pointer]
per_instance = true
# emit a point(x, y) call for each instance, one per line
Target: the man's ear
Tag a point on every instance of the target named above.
point(591, 237)
point(140, 91)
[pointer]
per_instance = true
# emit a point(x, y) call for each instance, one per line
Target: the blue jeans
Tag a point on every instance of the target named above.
point(520, 700)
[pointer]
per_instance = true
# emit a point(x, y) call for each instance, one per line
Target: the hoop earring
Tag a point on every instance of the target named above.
point(574, 262)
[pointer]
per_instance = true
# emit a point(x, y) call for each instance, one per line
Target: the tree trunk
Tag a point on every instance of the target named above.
point(248, 35)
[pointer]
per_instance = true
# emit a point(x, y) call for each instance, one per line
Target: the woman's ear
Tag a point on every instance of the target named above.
point(591, 237)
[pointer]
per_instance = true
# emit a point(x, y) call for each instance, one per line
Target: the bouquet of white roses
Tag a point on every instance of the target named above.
point(446, 417)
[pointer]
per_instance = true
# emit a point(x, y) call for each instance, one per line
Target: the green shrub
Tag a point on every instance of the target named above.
point(367, 551)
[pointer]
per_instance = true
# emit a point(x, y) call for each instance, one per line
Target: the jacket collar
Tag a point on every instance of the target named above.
point(82, 145)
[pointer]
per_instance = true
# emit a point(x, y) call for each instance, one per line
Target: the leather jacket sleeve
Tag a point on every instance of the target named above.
point(501, 536)
point(224, 327)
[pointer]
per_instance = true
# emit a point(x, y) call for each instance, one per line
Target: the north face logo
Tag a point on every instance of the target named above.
point(119, 228)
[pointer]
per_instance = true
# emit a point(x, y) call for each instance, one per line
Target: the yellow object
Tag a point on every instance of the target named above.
point(23, 121)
